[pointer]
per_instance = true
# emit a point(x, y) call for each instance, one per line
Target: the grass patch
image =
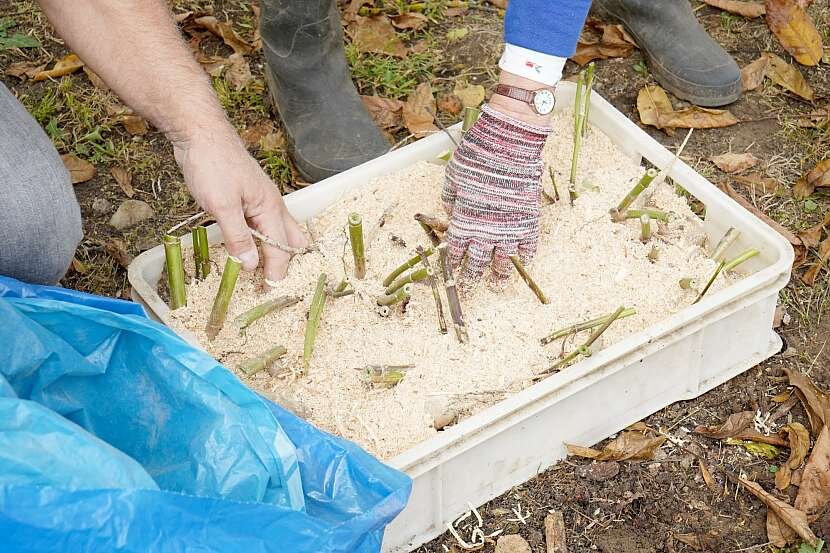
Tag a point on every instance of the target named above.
point(388, 76)
point(242, 105)
point(276, 165)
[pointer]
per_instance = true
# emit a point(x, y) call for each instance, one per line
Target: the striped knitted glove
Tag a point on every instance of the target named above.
point(492, 193)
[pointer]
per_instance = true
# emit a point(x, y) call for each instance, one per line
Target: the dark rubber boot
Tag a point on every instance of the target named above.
point(681, 54)
point(308, 77)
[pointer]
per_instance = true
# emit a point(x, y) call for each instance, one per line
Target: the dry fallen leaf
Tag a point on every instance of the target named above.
point(64, 66)
point(746, 9)
point(819, 177)
point(731, 427)
point(410, 20)
point(224, 31)
point(787, 76)
point(272, 142)
point(734, 163)
point(376, 34)
point(449, 104)
point(752, 75)
point(656, 110)
point(124, 179)
point(134, 125)
point(129, 213)
point(79, 169)
point(25, 69)
point(386, 112)
point(758, 183)
point(419, 110)
point(79, 267)
point(789, 515)
point(795, 31)
point(501, 4)
point(812, 236)
point(816, 403)
point(253, 135)
point(471, 95)
point(614, 43)
point(706, 474)
point(628, 445)
point(810, 276)
point(238, 72)
point(799, 438)
point(117, 249)
point(96, 81)
point(814, 488)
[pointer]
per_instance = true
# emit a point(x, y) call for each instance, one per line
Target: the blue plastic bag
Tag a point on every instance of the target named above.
point(187, 457)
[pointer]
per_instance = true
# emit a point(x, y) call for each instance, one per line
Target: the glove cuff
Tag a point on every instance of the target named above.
point(508, 136)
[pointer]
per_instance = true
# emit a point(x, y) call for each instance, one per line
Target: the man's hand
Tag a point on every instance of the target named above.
point(228, 183)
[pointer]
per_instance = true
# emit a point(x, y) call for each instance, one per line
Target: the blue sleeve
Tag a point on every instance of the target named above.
point(547, 26)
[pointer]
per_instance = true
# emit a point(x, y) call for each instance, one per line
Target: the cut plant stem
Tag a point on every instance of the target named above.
point(358, 248)
point(586, 325)
point(452, 295)
point(584, 349)
point(408, 264)
point(572, 195)
point(399, 295)
point(436, 293)
point(619, 213)
point(201, 252)
point(534, 287)
point(415, 275)
point(175, 270)
point(688, 283)
point(315, 313)
point(384, 376)
point(471, 115)
point(711, 281)
point(342, 289)
point(262, 361)
point(726, 241)
point(745, 256)
point(433, 227)
point(254, 314)
point(589, 85)
point(578, 124)
point(655, 214)
point(645, 228)
point(661, 177)
point(555, 197)
point(223, 297)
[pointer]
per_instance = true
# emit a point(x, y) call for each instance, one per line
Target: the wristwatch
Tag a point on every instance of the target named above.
point(542, 101)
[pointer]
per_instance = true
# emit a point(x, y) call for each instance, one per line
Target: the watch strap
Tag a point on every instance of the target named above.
point(516, 93)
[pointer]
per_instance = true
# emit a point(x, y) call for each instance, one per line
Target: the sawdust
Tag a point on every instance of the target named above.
point(586, 264)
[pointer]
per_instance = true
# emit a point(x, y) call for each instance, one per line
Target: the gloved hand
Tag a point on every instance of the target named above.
point(492, 193)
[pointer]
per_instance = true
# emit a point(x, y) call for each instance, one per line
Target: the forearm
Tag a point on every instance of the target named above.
point(136, 49)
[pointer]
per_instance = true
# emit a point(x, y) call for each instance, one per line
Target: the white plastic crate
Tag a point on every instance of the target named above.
point(680, 358)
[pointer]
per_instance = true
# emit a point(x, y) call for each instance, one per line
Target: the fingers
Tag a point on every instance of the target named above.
point(457, 245)
point(502, 266)
point(449, 192)
point(238, 239)
point(479, 256)
point(527, 249)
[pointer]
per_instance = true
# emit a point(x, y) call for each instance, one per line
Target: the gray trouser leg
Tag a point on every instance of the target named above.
point(40, 221)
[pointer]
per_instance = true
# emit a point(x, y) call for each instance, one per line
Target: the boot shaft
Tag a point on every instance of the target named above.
point(308, 28)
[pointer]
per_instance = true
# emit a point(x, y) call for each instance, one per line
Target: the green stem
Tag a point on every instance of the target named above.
point(415, 275)
point(586, 325)
point(399, 295)
point(577, 135)
point(585, 349)
point(553, 183)
point(645, 228)
point(471, 115)
point(175, 271)
point(711, 281)
point(358, 247)
point(745, 256)
point(452, 295)
point(262, 361)
point(641, 185)
point(384, 376)
point(726, 241)
point(252, 315)
point(201, 252)
point(315, 313)
point(589, 86)
point(436, 294)
point(655, 214)
point(529, 279)
point(223, 297)
point(408, 264)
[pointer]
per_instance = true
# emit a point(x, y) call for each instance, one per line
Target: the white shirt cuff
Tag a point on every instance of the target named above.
point(543, 68)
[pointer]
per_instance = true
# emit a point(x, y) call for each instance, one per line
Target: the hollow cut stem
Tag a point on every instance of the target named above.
point(201, 252)
point(415, 275)
point(688, 283)
point(655, 214)
point(589, 86)
point(625, 203)
point(452, 295)
point(223, 297)
point(358, 247)
point(645, 228)
point(254, 314)
point(399, 295)
point(315, 313)
point(726, 241)
point(534, 287)
point(408, 264)
point(262, 361)
point(744, 256)
point(384, 376)
point(436, 293)
point(471, 115)
point(586, 325)
point(175, 270)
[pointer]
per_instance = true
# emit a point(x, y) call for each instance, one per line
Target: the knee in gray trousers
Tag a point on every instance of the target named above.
point(40, 221)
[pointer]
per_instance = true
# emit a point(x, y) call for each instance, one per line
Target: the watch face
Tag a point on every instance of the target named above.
point(544, 101)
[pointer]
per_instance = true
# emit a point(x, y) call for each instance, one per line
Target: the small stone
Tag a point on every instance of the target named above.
point(131, 212)
point(512, 543)
point(101, 205)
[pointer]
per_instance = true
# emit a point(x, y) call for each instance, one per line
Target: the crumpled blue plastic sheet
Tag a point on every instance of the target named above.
point(116, 435)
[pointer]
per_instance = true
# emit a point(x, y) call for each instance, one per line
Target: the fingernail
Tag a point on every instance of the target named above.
point(249, 260)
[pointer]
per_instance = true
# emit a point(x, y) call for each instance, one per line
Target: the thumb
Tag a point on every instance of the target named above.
point(238, 239)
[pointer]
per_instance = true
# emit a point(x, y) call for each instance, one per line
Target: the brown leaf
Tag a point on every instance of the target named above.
point(409, 20)
point(449, 104)
point(129, 213)
point(387, 113)
point(272, 142)
point(731, 427)
point(253, 135)
point(818, 177)
point(789, 515)
point(815, 401)
point(692, 540)
point(79, 267)
point(117, 249)
point(812, 236)
point(632, 446)
point(799, 438)
point(238, 73)
point(79, 169)
point(418, 111)
point(64, 66)
point(812, 273)
point(134, 125)
point(778, 532)
point(814, 488)
point(734, 163)
point(752, 435)
point(795, 31)
point(787, 76)
point(746, 9)
point(614, 43)
point(746, 204)
point(25, 69)
point(224, 31)
point(501, 4)
point(599, 472)
point(376, 34)
point(706, 474)
point(124, 179)
point(656, 109)
point(96, 81)
point(471, 95)
point(758, 183)
point(752, 75)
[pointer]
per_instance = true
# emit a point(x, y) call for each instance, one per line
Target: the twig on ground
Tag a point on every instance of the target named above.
point(279, 245)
